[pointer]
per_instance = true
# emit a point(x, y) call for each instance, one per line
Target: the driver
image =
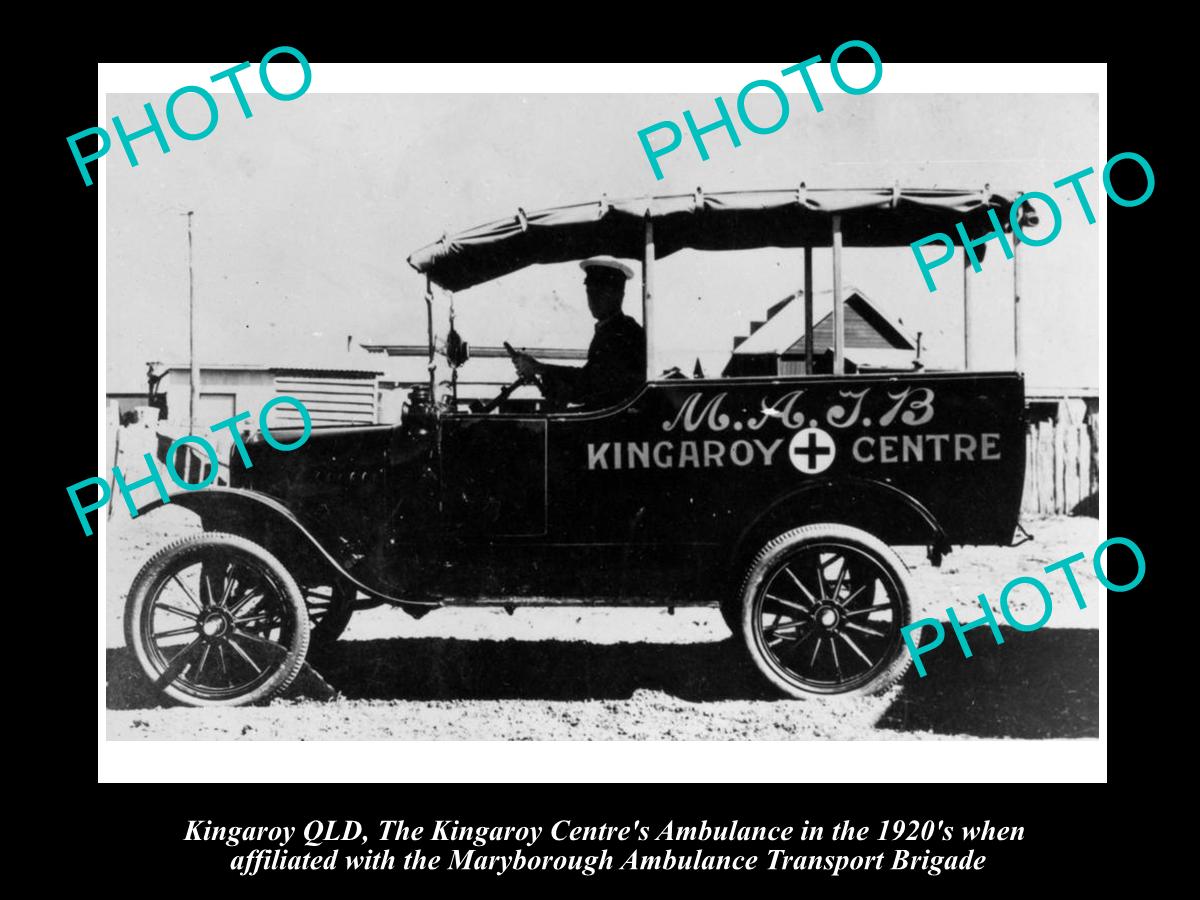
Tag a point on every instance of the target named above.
point(616, 360)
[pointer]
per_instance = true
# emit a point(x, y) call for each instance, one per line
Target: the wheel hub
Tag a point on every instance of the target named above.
point(827, 616)
point(215, 624)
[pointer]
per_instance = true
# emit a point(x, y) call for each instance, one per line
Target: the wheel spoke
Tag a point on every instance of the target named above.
point(855, 648)
point(846, 603)
point(865, 630)
point(255, 619)
point(175, 632)
point(791, 604)
point(841, 577)
point(176, 610)
point(837, 665)
point(224, 664)
point(867, 610)
point(206, 587)
point(200, 665)
point(800, 584)
point(175, 666)
point(183, 587)
point(780, 638)
point(817, 649)
point(777, 628)
point(251, 595)
point(230, 581)
point(821, 578)
point(259, 639)
point(237, 648)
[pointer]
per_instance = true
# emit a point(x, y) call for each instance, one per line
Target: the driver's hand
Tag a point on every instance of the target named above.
point(526, 365)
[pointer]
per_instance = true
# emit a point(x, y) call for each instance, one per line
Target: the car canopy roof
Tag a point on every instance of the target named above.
point(733, 220)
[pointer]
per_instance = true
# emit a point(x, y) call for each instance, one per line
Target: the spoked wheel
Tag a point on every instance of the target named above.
point(822, 609)
point(215, 620)
point(330, 607)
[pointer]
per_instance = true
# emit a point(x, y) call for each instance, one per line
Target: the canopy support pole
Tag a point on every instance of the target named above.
point(648, 299)
point(808, 312)
point(839, 325)
point(966, 310)
point(1017, 304)
point(429, 332)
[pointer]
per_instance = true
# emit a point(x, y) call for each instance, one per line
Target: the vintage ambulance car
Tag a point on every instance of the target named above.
point(775, 498)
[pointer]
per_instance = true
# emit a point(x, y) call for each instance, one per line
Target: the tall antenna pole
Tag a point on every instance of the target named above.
point(194, 376)
point(1017, 304)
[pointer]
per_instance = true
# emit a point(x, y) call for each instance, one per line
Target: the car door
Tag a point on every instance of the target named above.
point(493, 475)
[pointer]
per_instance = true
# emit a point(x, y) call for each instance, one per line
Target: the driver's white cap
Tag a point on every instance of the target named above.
point(607, 262)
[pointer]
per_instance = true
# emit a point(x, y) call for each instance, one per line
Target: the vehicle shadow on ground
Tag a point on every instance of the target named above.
point(1043, 684)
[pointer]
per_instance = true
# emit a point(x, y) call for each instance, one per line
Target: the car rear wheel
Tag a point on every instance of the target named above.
point(330, 607)
point(215, 620)
point(821, 611)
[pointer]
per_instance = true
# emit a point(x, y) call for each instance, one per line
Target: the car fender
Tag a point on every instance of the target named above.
point(265, 520)
point(876, 506)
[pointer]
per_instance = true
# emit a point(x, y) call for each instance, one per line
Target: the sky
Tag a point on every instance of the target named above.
point(304, 216)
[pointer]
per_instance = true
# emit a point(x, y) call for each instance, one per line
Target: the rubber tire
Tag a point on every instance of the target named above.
point(135, 606)
point(792, 540)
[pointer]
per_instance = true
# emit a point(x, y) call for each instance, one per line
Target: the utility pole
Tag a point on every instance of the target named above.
point(194, 375)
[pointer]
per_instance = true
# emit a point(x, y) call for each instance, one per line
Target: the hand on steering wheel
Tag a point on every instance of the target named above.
point(527, 374)
point(527, 367)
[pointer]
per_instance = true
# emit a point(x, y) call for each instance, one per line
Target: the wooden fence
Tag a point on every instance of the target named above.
point(1062, 472)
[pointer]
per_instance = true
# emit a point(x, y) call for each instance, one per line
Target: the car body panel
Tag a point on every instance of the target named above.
point(654, 496)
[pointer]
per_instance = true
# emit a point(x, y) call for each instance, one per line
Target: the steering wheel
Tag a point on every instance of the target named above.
point(509, 388)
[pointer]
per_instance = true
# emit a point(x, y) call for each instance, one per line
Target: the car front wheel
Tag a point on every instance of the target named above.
point(821, 611)
point(215, 620)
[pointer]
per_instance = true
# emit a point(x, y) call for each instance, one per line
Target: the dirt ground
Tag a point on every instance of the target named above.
point(623, 674)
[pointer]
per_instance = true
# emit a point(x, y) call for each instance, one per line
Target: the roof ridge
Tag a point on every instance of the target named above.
point(822, 308)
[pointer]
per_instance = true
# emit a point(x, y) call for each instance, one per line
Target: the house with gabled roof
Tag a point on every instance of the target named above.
point(876, 340)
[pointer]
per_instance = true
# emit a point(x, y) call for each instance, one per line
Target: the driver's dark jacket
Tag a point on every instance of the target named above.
point(615, 367)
